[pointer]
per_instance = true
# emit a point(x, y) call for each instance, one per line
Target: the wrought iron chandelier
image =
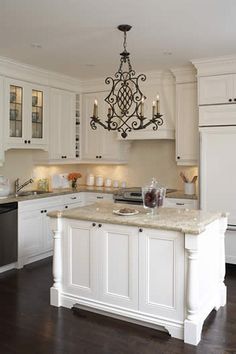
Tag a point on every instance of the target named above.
point(126, 100)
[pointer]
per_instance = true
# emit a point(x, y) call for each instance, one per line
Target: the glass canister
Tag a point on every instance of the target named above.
point(4, 187)
point(153, 196)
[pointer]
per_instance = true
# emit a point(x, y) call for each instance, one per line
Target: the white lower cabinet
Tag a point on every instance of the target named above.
point(161, 262)
point(80, 260)
point(125, 267)
point(35, 239)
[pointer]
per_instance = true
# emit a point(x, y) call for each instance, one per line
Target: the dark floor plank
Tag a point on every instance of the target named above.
point(29, 325)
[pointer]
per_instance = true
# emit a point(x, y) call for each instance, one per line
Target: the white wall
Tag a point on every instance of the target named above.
point(147, 159)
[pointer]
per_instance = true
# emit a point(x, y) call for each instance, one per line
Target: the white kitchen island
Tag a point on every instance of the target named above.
point(166, 272)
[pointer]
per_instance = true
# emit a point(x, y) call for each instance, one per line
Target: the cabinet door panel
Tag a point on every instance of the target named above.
point(216, 89)
point(31, 233)
point(62, 124)
point(120, 266)
point(161, 267)
point(80, 266)
point(187, 136)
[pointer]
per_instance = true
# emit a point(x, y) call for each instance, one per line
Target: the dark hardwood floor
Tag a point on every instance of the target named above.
point(29, 325)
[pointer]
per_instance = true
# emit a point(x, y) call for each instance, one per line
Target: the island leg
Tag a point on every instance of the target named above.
point(56, 226)
point(222, 287)
point(192, 324)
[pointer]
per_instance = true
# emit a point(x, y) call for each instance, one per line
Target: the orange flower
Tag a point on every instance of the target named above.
point(73, 176)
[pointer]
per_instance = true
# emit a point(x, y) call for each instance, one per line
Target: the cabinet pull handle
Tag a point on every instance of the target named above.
point(140, 230)
point(99, 197)
point(99, 225)
point(179, 203)
point(93, 224)
point(230, 100)
point(73, 198)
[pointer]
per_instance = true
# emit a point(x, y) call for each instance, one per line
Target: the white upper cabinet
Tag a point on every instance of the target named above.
point(62, 125)
point(1, 122)
point(187, 135)
point(99, 145)
point(219, 89)
point(26, 115)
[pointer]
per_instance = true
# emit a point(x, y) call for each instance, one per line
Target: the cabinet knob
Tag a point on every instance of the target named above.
point(140, 230)
point(29, 141)
point(96, 157)
point(178, 157)
point(66, 206)
point(93, 224)
point(99, 225)
point(25, 141)
point(41, 211)
point(45, 211)
point(234, 99)
point(230, 100)
point(100, 157)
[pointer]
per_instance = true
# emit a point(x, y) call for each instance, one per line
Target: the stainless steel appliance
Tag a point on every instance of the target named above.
point(8, 233)
point(132, 195)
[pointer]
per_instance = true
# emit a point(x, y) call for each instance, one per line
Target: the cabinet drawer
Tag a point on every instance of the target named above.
point(42, 203)
point(94, 197)
point(181, 203)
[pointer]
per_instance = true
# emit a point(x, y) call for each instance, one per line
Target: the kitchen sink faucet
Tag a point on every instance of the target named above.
point(19, 186)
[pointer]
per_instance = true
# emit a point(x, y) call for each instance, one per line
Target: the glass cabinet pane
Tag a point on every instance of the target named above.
point(37, 114)
point(15, 114)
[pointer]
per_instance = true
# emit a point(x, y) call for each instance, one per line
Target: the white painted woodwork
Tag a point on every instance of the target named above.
point(1, 121)
point(161, 273)
point(158, 278)
point(80, 264)
point(217, 115)
point(217, 179)
point(91, 197)
point(217, 89)
point(181, 203)
point(187, 135)
point(99, 142)
point(119, 266)
point(218, 169)
point(18, 142)
point(62, 125)
point(35, 240)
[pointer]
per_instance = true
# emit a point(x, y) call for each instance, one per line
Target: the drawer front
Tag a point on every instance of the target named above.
point(43, 203)
point(181, 203)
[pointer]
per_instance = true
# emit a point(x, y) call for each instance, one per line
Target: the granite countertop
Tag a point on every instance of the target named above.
point(82, 188)
point(183, 220)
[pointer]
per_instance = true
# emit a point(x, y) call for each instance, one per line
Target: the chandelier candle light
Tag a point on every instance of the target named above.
point(126, 100)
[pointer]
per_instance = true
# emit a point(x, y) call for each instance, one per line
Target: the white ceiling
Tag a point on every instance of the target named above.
point(79, 37)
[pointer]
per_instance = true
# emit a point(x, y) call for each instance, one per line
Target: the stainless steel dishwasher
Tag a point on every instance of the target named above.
point(8, 233)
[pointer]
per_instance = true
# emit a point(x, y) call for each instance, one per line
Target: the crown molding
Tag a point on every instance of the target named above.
point(13, 69)
point(185, 74)
point(215, 66)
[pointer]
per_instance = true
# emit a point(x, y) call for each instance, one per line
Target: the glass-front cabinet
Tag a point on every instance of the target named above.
point(26, 115)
